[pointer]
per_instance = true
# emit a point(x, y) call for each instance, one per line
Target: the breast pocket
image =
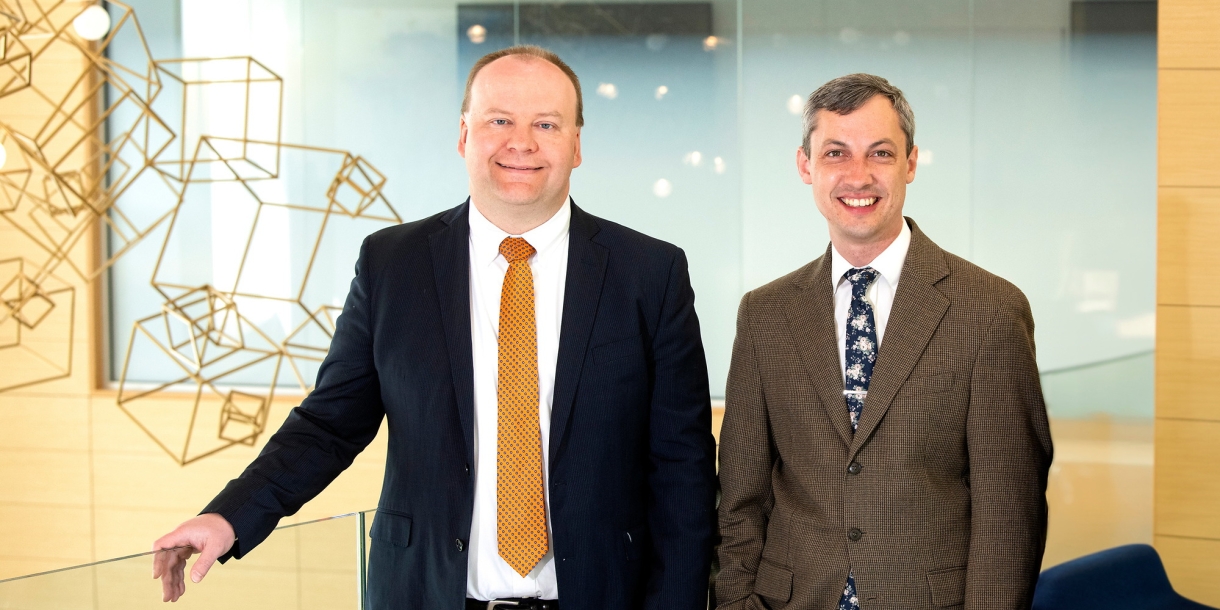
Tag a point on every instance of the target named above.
point(929, 385)
point(619, 350)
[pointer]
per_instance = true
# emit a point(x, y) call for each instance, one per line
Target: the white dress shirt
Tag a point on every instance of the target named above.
point(880, 293)
point(488, 576)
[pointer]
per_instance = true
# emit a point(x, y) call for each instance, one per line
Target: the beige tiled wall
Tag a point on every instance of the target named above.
point(1187, 475)
point(80, 482)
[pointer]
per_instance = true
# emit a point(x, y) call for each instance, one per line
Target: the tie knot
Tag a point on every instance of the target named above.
point(516, 249)
point(860, 278)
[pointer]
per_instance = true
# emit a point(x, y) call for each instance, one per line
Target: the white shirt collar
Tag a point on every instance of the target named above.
point(485, 237)
point(888, 263)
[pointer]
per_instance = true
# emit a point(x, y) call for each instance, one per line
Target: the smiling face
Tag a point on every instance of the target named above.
point(520, 139)
point(859, 172)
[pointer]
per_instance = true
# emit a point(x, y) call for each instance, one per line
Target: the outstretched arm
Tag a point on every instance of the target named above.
point(314, 445)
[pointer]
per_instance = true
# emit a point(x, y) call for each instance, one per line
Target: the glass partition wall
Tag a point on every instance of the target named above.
point(1037, 131)
point(314, 565)
point(1036, 127)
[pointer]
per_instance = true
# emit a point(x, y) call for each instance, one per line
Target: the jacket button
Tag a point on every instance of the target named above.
point(854, 468)
point(467, 468)
point(854, 534)
point(461, 546)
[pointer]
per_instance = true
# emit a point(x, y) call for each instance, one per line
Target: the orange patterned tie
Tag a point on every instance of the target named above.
point(520, 505)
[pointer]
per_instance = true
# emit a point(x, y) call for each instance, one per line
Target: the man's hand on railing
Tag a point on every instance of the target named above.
point(210, 535)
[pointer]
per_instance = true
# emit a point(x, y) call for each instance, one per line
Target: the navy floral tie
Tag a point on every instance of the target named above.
point(859, 354)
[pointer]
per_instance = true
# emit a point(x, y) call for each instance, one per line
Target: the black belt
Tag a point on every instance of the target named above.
point(512, 603)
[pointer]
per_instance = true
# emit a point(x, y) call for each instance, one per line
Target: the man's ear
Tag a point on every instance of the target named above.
point(576, 158)
point(912, 161)
point(802, 165)
point(463, 129)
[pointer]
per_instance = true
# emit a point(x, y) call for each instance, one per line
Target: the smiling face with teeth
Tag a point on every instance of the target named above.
point(520, 141)
point(859, 171)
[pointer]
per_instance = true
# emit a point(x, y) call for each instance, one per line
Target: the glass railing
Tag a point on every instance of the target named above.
point(318, 564)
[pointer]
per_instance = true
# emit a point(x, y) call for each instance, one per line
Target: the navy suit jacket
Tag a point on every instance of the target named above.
point(632, 473)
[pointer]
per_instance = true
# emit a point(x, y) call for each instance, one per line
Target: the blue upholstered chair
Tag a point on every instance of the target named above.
point(1123, 578)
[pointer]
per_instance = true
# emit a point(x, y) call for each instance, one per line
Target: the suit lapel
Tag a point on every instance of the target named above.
point(811, 316)
point(917, 311)
point(581, 294)
point(451, 268)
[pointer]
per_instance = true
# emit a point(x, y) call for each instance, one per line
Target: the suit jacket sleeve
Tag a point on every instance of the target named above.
point(683, 478)
point(1009, 446)
point(746, 459)
point(321, 437)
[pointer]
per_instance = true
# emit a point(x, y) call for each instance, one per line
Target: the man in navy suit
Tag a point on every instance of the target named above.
point(543, 378)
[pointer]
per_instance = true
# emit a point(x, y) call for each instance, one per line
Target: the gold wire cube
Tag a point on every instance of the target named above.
point(37, 322)
point(236, 100)
point(204, 338)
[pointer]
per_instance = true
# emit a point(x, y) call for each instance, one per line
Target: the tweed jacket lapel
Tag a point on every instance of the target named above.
point(811, 317)
point(917, 311)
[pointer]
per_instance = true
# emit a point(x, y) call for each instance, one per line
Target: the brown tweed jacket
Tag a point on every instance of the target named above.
point(938, 500)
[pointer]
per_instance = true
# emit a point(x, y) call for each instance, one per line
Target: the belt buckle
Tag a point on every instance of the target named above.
point(496, 603)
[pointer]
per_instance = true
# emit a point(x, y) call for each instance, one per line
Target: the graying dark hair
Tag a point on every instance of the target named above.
point(847, 94)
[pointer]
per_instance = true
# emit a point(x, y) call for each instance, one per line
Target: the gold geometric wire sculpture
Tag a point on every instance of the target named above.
point(76, 159)
point(36, 327)
point(246, 92)
point(16, 62)
point(338, 191)
point(67, 160)
point(340, 194)
point(202, 334)
point(226, 332)
point(307, 344)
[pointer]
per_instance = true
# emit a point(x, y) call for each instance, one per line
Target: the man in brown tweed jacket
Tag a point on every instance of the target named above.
point(885, 441)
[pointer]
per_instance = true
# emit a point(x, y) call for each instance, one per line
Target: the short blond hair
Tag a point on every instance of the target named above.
point(528, 51)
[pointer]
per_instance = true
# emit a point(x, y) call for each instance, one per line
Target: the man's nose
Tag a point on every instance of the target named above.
point(857, 173)
point(522, 138)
